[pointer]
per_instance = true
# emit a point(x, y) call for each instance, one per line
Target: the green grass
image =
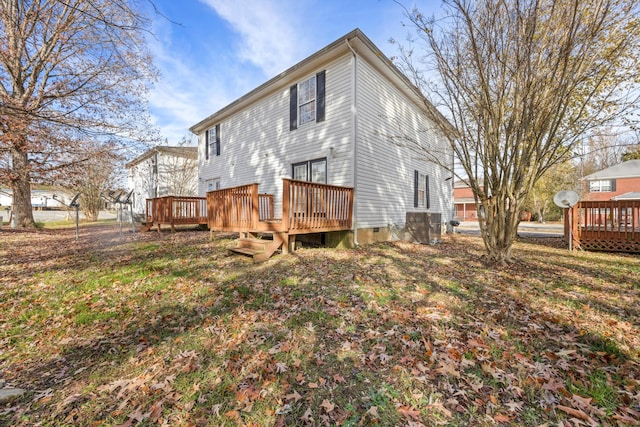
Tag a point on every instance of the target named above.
point(598, 386)
point(172, 326)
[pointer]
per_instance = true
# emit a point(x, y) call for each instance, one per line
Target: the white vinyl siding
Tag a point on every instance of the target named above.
point(386, 165)
point(260, 148)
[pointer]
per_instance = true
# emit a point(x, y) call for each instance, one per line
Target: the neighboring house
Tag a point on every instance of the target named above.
point(464, 204)
point(342, 116)
point(163, 171)
point(619, 182)
point(6, 198)
point(40, 199)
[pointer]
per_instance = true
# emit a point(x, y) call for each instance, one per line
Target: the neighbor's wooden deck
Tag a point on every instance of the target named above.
point(605, 226)
point(176, 210)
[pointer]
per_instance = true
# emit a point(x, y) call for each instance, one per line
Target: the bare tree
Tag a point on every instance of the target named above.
point(602, 149)
point(522, 83)
point(182, 171)
point(70, 71)
point(93, 178)
point(181, 176)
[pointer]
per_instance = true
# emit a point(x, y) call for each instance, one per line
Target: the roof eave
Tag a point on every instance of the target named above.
point(333, 50)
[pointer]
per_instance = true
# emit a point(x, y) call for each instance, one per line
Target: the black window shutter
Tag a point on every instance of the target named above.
point(320, 95)
point(206, 145)
point(426, 189)
point(613, 185)
point(293, 107)
point(416, 177)
point(217, 140)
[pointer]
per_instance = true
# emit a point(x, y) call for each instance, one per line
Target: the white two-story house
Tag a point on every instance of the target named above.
point(162, 171)
point(344, 116)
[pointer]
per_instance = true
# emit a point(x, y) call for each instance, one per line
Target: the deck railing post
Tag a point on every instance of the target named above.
point(286, 188)
point(255, 206)
point(575, 227)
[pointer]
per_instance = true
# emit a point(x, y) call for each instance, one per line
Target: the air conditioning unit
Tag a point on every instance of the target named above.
point(423, 227)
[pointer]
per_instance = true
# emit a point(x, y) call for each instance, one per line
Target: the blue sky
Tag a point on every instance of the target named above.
point(211, 52)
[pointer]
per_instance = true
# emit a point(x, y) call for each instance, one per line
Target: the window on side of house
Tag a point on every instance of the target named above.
point(307, 101)
point(312, 170)
point(602, 185)
point(421, 193)
point(213, 184)
point(212, 142)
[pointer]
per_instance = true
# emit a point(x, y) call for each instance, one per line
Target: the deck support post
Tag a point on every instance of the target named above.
point(290, 244)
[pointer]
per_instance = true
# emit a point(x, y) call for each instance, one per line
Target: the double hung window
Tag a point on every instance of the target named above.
point(313, 170)
point(421, 196)
point(601, 186)
point(212, 142)
point(307, 101)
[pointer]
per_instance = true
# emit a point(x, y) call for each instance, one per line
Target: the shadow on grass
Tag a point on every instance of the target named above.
point(363, 321)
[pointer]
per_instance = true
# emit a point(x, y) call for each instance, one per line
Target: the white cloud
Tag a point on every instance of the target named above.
point(270, 39)
point(185, 92)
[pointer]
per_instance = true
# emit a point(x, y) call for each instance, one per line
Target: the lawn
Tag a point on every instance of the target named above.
point(169, 329)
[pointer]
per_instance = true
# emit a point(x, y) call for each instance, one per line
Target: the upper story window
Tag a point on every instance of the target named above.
point(307, 101)
point(602, 185)
point(212, 142)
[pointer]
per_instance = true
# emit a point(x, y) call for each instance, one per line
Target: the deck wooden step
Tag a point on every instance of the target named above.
point(259, 249)
point(245, 251)
point(251, 243)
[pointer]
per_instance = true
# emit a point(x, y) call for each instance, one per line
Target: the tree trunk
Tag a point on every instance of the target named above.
point(499, 229)
point(21, 186)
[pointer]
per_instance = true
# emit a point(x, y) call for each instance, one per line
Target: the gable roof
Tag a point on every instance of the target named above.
point(355, 41)
point(628, 169)
point(181, 151)
point(632, 195)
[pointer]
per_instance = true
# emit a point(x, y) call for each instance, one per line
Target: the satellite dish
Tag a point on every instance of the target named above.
point(74, 202)
point(566, 199)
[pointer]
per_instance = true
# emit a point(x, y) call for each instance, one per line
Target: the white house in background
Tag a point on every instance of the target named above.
point(163, 171)
point(40, 199)
point(342, 116)
point(6, 198)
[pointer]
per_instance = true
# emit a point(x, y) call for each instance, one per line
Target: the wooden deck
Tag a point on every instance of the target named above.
point(176, 210)
point(611, 226)
point(306, 208)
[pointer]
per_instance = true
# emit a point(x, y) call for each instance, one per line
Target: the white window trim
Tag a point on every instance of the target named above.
point(309, 168)
point(214, 183)
point(312, 82)
point(601, 186)
point(212, 142)
point(422, 190)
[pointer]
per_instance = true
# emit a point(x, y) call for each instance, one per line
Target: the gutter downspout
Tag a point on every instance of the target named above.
point(354, 123)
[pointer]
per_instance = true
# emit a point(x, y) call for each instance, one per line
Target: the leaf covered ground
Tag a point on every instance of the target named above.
point(169, 329)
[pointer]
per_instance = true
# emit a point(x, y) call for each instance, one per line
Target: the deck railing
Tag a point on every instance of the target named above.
point(306, 208)
point(176, 210)
point(266, 203)
point(239, 207)
point(312, 207)
point(606, 225)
